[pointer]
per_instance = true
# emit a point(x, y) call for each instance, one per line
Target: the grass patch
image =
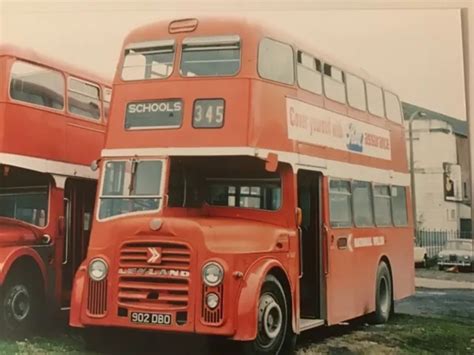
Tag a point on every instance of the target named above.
point(439, 335)
point(404, 334)
point(64, 343)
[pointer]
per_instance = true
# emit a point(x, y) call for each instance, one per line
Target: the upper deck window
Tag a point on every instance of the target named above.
point(148, 60)
point(107, 97)
point(334, 86)
point(356, 92)
point(37, 85)
point(210, 56)
point(375, 100)
point(83, 99)
point(309, 75)
point(276, 61)
point(393, 108)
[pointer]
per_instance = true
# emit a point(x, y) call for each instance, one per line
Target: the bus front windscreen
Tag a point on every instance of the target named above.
point(130, 186)
point(27, 204)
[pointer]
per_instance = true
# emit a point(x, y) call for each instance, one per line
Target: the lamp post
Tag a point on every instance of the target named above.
point(412, 163)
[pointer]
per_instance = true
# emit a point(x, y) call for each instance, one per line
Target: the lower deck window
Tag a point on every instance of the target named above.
point(340, 203)
point(231, 182)
point(382, 207)
point(399, 206)
point(258, 194)
point(24, 196)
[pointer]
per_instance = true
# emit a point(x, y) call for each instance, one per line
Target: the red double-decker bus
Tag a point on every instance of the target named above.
point(251, 188)
point(52, 125)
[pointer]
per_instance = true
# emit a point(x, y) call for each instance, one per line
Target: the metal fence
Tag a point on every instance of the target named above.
point(435, 240)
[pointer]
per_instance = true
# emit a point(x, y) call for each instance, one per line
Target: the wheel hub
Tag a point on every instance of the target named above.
point(17, 304)
point(270, 317)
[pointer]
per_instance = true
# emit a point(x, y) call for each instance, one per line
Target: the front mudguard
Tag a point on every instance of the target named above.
point(9, 255)
point(247, 305)
point(77, 297)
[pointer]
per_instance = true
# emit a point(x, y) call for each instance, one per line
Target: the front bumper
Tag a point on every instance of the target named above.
point(110, 303)
point(462, 263)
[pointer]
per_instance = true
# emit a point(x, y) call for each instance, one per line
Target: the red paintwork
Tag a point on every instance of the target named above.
point(249, 242)
point(55, 135)
point(14, 232)
point(9, 254)
point(28, 130)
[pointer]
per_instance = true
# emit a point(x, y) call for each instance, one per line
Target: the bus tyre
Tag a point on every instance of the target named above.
point(274, 333)
point(20, 302)
point(383, 295)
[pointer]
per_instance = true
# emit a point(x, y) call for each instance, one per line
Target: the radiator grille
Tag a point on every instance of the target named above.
point(97, 300)
point(163, 283)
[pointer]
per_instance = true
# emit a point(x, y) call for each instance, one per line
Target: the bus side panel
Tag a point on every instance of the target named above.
point(41, 131)
point(402, 262)
point(342, 279)
point(352, 270)
point(83, 139)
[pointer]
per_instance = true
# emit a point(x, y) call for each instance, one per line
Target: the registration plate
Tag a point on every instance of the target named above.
point(151, 318)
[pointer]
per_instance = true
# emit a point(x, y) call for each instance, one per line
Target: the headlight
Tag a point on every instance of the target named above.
point(212, 300)
point(98, 269)
point(466, 257)
point(212, 274)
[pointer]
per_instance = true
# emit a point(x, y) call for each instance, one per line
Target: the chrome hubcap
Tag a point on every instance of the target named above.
point(270, 318)
point(18, 303)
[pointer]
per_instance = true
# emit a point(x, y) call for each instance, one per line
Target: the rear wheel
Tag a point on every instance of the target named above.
point(274, 333)
point(20, 302)
point(383, 295)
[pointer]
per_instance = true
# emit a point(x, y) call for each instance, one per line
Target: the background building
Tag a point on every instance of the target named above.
point(442, 171)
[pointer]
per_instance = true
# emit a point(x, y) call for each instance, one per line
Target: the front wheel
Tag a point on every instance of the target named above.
point(383, 295)
point(19, 305)
point(274, 333)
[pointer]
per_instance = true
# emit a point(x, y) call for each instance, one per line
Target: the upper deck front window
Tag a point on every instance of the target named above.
point(130, 186)
point(210, 56)
point(148, 60)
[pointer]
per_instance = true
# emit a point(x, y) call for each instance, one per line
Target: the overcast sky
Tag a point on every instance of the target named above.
point(418, 53)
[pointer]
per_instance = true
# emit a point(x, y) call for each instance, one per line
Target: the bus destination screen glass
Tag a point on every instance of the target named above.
point(154, 114)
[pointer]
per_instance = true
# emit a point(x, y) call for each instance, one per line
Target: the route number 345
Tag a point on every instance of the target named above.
point(208, 113)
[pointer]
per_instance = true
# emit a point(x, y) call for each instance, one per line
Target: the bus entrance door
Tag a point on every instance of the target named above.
point(311, 287)
point(79, 204)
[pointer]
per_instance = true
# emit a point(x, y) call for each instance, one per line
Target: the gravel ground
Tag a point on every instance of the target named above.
point(434, 273)
point(457, 304)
